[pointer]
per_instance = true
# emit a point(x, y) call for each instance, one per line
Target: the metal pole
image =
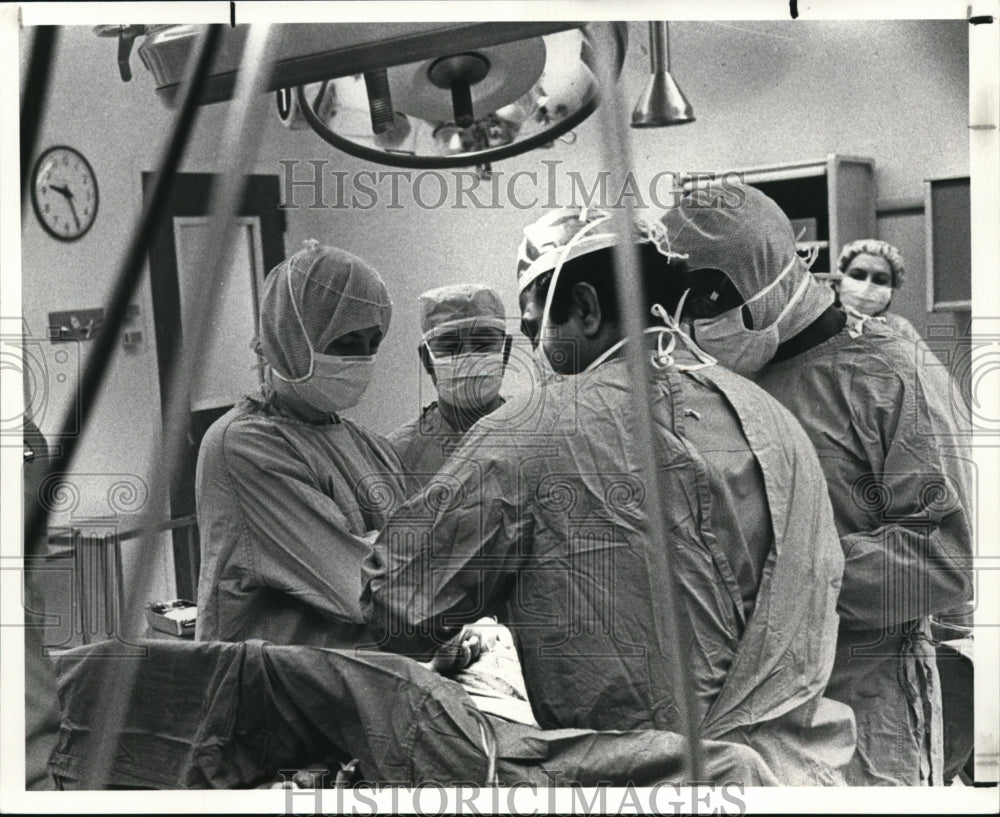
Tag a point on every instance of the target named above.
point(250, 111)
point(244, 129)
point(657, 46)
point(628, 281)
point(36, 89)
point(89, 386)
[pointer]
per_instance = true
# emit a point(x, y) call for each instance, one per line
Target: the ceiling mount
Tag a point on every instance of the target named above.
point(470, 108)
point(420, 95)
point(662, 103)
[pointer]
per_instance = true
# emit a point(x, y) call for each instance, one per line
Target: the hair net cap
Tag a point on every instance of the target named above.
point(872, 246)
point(459, 302)
point(553, 240)
point(313, 298)
point(741, 231)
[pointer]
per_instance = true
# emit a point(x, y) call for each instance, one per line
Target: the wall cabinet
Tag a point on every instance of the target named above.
point(830, 201)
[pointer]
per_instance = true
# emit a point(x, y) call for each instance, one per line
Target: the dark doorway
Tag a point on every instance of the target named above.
point(261, 249)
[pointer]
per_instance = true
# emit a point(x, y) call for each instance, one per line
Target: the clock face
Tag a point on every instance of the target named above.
point(64, 193)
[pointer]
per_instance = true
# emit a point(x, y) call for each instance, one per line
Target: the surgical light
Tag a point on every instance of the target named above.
point(422, 95)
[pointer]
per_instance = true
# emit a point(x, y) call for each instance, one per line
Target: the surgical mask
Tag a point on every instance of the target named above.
point(864, 296)
point(334, 383)
point(468, 381)
point(745, 351)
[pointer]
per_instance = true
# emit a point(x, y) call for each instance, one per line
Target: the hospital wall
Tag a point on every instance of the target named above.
point(763, 93)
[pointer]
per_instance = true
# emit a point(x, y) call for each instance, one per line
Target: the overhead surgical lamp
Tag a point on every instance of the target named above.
point(420, 95)
point(662, 103)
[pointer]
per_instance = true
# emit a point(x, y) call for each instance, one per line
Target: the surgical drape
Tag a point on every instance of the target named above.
point(214, 715)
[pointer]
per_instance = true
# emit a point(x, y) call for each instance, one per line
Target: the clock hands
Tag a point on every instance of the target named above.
point(64, 191)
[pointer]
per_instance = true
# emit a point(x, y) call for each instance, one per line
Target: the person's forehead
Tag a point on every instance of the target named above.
point(474, 330)
point(872, 263)
point(359, 334)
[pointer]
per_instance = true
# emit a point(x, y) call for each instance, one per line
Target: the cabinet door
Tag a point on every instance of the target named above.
point(851, 201)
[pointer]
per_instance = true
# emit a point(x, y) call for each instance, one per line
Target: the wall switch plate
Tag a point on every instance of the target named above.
point(84, 324)
point(76, 324)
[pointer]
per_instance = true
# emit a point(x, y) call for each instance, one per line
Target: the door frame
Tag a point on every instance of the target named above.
point(190, 197)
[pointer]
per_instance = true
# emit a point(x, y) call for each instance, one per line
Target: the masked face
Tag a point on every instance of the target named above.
point(864, 296)
point(867, 284)
point(337, 379)
point(469, 381)
point(743, 350)
point(336, 383)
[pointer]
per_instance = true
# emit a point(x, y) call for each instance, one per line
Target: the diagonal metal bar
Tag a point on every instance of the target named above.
point(34, 96)
point(245, 125)
point(244, 130)
point(130, 272)
point(617, 160)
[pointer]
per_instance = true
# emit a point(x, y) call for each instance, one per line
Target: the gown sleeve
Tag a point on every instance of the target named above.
point(917, 559)
point(448, 556)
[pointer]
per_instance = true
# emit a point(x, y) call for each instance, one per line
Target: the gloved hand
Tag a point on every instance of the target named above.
point(466, 647)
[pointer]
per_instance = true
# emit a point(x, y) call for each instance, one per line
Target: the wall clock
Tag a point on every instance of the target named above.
point(64, 193)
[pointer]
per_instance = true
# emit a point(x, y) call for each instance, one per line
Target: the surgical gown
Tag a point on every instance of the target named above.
point(283, 508)
point(883, 421)
point(899, 326)
point(902, 327)
point(425, 443)
point(545, 523)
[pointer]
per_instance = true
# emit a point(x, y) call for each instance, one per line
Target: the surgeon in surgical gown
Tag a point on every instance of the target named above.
point(464, 349)
point(884, 423)
point(541, 518)
point(289, 492)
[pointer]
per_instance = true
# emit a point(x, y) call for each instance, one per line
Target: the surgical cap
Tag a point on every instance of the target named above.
point(313, 298)
point(460, 305)
point(872, 246)
point(544, 246)
point(743, 233)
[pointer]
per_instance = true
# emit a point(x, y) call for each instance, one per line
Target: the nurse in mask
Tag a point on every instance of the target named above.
point(464, 350)
point(284, 510)
point(871, 270)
